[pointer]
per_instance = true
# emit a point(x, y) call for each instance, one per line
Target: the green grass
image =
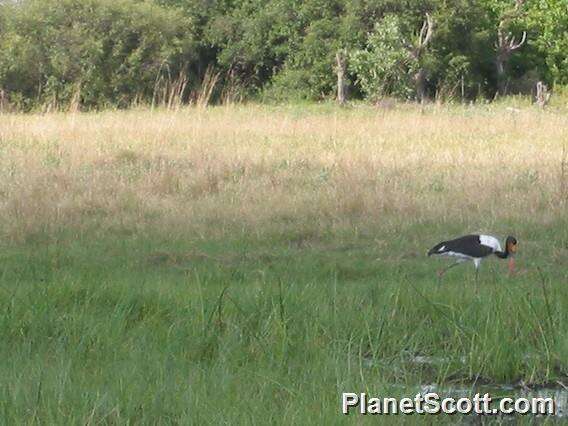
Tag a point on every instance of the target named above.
point(248, 264)
point(266, 329)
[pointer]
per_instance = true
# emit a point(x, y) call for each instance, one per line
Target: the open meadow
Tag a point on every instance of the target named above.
point(248, 264)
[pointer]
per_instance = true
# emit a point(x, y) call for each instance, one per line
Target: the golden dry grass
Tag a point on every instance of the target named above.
point(208, 170)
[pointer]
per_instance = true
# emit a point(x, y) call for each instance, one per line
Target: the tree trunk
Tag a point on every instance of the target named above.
point(542, 95)
point(500, 64)
point(340, 69)
point(420, 84)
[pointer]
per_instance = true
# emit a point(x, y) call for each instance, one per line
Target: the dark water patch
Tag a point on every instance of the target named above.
point(463, 387)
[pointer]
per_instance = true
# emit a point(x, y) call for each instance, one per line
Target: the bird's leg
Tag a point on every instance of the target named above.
point(443, 271)
point(476, 262)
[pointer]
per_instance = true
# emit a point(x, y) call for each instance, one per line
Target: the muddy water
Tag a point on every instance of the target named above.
point(557, 391)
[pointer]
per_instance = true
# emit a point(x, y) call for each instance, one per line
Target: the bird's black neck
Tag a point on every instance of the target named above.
point(503, 254)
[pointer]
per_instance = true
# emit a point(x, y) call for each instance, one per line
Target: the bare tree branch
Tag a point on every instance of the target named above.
point(513, 46)
point(425, 32)
point(416, 52)
point(424, 37)
point(429, 25)
point(506, 43)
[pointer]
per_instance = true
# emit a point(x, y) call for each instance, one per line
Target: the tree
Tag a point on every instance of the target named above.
point(548, 21)
point(417, 51)
point(384, 67)
point(341, 69)
point(507, 44)
point(391, 64)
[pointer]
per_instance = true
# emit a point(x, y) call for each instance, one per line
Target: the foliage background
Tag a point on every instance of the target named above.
point(101, 53)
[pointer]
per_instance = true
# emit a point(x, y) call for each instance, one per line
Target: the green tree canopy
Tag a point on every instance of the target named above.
point(115, 52)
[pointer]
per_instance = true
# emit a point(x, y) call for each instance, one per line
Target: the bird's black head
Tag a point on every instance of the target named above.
point(511, 245)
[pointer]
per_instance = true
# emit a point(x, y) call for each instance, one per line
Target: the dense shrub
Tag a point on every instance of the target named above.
point(384, 67)
point(101, 51)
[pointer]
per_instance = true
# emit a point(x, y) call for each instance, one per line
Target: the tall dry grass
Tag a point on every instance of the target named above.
point(249, 167)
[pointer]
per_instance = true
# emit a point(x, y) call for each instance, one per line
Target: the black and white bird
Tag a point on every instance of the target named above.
point(475, 248)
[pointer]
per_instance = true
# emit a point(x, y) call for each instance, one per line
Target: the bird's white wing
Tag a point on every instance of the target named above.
point(489, 241)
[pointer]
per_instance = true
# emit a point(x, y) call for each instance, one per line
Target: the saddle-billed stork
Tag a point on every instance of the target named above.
point(475, 247)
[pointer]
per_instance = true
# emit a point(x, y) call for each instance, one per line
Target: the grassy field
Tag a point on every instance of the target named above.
point(249, 264)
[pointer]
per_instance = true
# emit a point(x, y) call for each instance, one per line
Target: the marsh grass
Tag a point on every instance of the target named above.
point(248, 264)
